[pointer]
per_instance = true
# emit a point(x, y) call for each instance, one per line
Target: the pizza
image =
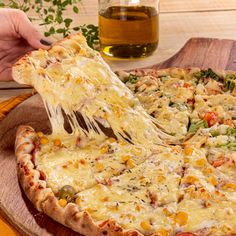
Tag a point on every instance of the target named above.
point(147, 152)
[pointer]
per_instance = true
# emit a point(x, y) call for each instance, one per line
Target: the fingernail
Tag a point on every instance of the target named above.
point(45, 42)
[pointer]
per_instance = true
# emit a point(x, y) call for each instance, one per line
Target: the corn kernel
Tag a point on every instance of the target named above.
point(112, 140)
point(130, 163)
point(208, 171)
point(122, 143)
point(104, 150)
point(76, 164)
point(188, 151)
point(44, 140)
point(138, 208)
point(126, 158)
point(90, 210)
point(213, 180)
point(57, 142)
point(62, 202)
point(190, 179)
point(78, 201)
point(78, 80)
point(181, 218)
point(40, 134)
point(116, 110)
point(229, 185)
point(162, 232)
point(200, 163)
point(160, 178)
point(145, 225)
point(167, 212)
point(105, 199)
point(136, 151)
point(186, 160)
point(99, 166)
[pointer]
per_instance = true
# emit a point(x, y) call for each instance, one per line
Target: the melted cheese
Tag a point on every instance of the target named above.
point(83, 82)
point(87, 164)
point(139, 195)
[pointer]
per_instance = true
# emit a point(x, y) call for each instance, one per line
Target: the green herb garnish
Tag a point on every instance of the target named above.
point(132, 79)
point(207, 74)
point(230, 82)
point(231, 132)
point(52, 15)
point(229, 146)
point(195, 126)
point(214, 133)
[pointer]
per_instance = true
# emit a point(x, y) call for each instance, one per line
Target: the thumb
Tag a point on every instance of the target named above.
point(29, 32)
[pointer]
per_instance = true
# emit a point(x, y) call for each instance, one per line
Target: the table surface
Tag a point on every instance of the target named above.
point(179, 21)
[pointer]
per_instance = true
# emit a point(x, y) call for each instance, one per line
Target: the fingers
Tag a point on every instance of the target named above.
point(28, 31)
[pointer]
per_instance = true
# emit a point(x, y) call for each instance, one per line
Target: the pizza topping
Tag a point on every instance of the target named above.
point(62, 202)
point(206, 74)
point(145, 225)
point(78, 201)
point(44, 141)
point(40, 134)
point(57, 142)
point(181, 218)
point(211, 118)
point(195, 126)
point(67, 192)
point(230, 82)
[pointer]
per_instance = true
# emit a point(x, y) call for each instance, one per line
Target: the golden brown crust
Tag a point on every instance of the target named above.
point(45, 200)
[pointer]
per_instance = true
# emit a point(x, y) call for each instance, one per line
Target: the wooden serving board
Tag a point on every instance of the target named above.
point(16, 208)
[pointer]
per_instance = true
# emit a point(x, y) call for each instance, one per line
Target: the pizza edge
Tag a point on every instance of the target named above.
point(35, 187)
point(22, 69)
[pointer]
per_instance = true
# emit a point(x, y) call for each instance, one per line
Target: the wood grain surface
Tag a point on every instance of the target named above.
point(198, 52)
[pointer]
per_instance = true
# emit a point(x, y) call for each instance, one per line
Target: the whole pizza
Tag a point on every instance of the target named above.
point(146, 152)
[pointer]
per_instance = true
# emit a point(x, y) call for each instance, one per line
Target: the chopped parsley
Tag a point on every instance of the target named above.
point(195, 126)
point(207, 74)
point(230, 82)
point(231, 132)
point(132, 79)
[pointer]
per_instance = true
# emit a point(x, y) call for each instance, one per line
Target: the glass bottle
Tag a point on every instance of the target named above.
point(128, 28)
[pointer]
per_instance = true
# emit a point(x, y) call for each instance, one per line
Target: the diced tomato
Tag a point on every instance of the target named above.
point(187, 85)
point(218, 162)
point(211, 118)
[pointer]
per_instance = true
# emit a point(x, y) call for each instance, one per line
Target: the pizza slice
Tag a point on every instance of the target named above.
point(142, 198)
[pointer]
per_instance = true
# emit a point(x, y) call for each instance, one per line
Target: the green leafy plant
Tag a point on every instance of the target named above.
point(51, 14)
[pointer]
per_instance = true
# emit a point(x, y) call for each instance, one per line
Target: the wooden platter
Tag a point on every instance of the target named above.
point(14, 206)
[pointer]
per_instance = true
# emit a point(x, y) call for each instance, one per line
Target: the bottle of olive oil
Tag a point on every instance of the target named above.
point(129, 31)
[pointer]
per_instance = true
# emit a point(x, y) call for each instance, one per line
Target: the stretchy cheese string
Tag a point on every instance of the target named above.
point(84, 82)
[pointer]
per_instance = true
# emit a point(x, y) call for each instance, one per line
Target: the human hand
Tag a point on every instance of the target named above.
point(17, 37)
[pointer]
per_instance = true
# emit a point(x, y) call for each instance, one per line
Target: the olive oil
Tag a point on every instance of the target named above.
point(129, 32)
